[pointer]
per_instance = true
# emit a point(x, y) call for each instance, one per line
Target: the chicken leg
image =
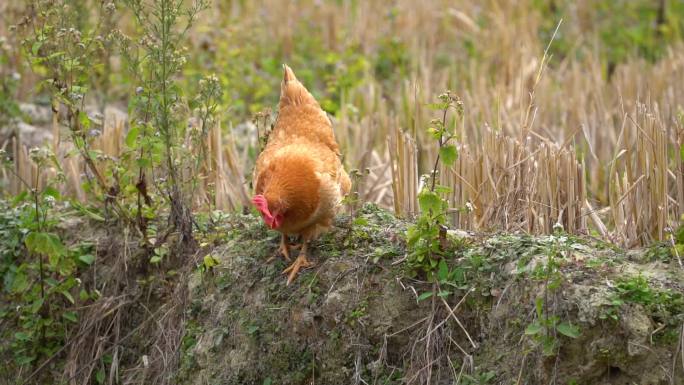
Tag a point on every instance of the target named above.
point(300, 262)
point(283, 249)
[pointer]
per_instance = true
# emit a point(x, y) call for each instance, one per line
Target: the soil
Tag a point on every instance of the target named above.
point(355, 317)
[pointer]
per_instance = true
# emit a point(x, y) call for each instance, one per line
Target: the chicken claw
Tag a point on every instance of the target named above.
point(300, 262)
point(283, 249)
point(293, 269)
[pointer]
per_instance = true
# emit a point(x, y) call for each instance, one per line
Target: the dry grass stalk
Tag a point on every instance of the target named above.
point(676, 135)
point(404, 167)
point(114, 128)
point(231, 189)
point(640, 179)
point(98, 334)
point(505, 185)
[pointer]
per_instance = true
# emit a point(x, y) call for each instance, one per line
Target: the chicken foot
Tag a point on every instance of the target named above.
point(299, 263)
point(283, 249)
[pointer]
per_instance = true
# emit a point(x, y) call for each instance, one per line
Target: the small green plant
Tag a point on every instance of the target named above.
point(664, 305)
point(480, 378)
point(360, 311)
point(447, 280)
point(427, 237)
point(208, 264)
point(544, 331)
point(547, 326)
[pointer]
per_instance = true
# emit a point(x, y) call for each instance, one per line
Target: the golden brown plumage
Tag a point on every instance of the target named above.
point(299, 179)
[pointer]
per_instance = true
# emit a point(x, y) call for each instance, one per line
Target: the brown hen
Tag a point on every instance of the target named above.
point(299, 178)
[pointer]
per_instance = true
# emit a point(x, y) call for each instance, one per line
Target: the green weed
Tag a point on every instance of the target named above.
point(665, 306)
point(426, 238)
point(547, 328)
point(39, 284)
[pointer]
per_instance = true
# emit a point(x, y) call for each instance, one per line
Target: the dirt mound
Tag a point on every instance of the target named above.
point(514, 309)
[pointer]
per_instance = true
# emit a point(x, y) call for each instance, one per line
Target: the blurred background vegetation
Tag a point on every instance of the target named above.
point(339, 47)
point(571, 73)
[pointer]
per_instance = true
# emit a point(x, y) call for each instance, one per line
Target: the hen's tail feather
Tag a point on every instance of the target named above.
point(293, 92)
point(288, 75)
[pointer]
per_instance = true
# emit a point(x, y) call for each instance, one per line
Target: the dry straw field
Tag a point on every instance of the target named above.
point(572, 112)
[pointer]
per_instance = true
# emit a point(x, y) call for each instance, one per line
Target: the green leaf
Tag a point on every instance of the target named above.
point(568, 330)
point(539, 304)
point(88, 259)
point(443, 271)
point(68, 295)
point(210, 261)
point(25, 360)
point(55, 55)
point(143, 162)
point(35, 241)
point(442, 189)
point(533, 329)
point(70, 316)
point(267, 381)
point(36, 305)
point(549, 347)
point(132, 136)
point(51, 192)
point(155, 259)
point(20, 282)
point(44, 243)
point(429, 201)
point(425, 296)
point(436, 106)
point(35, 47)
point(100, 376)
point(449, 154)
point(95, 216)
point(20, 197)
point(443, 293)
point(84, 119)
point(21, 336)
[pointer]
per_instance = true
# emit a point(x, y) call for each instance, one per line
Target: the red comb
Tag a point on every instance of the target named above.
point(262, 205)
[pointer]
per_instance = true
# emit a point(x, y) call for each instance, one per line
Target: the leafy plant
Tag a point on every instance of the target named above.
point(359, 312)
point(547, 327)
point(65, 53)
point(480, 378)
point(38, 271)
point(160, 130)
point(664, 305)
point(426, 238)
point(447, 280)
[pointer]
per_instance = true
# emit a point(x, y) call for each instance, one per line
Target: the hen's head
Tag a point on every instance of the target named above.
point(273, 217)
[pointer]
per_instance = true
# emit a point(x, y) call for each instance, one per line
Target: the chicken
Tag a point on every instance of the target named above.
point(299, 178)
